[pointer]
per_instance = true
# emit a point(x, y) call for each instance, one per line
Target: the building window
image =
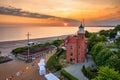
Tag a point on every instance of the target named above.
point(70, 47)
point(70, 59)
point(71, 54)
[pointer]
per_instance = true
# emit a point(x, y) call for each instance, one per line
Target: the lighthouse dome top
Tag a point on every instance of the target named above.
point(81, 29)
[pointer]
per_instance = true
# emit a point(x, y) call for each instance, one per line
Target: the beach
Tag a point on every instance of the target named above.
point(7, 46)
point(10, 68)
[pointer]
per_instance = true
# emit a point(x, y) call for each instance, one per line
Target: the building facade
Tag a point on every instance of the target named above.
point(76, 47)
point(33, 55)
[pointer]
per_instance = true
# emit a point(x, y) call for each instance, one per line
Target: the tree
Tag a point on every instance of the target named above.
point(114, 62)
point(117, 28)
point(118, 42)
point(96, 48)
point(103, 38)
point(118, 53)
point(94, 39)
point(87, 34)
point(104, 32)
point(102, 56)
point(112, 33)
point(106, 73)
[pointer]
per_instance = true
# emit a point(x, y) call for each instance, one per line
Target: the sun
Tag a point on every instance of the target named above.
point(65, 24)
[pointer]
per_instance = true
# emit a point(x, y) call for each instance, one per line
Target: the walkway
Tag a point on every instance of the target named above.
point(75, 69)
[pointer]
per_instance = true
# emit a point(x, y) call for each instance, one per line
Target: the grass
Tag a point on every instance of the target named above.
point(53, 63)
point(69, 76)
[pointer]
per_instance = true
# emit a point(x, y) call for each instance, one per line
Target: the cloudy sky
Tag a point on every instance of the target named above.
point(60, 12)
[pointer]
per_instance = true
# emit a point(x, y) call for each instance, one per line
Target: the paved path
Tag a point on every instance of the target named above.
point(75, 69)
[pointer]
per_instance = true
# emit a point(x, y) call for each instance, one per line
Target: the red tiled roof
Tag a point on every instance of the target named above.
point(42, 50)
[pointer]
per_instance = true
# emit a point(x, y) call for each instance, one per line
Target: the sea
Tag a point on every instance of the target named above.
point(19, 32)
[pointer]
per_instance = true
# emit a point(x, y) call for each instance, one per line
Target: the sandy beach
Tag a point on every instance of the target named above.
point(7, 46)
point(10, 68)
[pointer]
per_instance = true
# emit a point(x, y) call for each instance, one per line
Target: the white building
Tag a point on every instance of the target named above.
point(51, 76)
point(118, 34)
point(41, 67)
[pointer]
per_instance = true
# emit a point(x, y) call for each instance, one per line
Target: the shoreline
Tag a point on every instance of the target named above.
point(7, 46)
point(62, 36)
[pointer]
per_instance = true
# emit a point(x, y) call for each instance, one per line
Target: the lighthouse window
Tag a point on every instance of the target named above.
point(71, 54)
point(71, 59)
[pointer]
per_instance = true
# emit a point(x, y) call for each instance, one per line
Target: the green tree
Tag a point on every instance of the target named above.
point(96, 48)
point(118, 53)
point(118, 42)
point(87, 34)
point(114, 62)
point(94, 39)
point(112, 33)
point(103, 38)
point(117, 28)
point(57, 42)
point(106, 73)
point(104, 32)
point(102, 57)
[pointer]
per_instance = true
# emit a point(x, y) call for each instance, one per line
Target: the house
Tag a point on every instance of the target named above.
point(76, 47)
point(118, 34)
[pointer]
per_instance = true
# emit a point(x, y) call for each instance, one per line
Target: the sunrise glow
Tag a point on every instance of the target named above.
point(94, 12)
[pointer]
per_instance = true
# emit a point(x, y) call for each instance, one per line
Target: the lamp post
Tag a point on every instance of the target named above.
point(28, 57)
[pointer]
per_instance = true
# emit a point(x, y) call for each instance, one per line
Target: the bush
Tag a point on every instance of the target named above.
point(88, 73)
point(57, 42)
point(59, 51)
point(19, 50)
point(53, 63)
point(24, 49)
point(69, 76)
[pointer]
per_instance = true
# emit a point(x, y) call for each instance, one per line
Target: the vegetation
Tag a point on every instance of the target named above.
point(96, 48)
point(19, 50)
point(106, 73)
point(94, 39)
point(110, 33)
point(24, 49)
point(88, 72)
point(104, 56)
point(53, 63)
point(69, 76)
point(57, 42)
point(118, 42)
point(87, 34)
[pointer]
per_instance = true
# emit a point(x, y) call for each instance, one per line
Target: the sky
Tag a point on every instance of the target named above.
point(60, 12)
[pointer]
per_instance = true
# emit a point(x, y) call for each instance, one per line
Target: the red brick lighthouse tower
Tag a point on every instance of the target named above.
point(76, 46)
point(81, 44)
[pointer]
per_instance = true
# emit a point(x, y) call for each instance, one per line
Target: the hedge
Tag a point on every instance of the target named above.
point(69, 76)
point(53, 63)
point(88, 73)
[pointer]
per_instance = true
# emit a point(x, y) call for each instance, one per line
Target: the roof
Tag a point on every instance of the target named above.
point(41, 63)
point(50, 76)
point(36, 50)
point(81, 26)
point(72, 39)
